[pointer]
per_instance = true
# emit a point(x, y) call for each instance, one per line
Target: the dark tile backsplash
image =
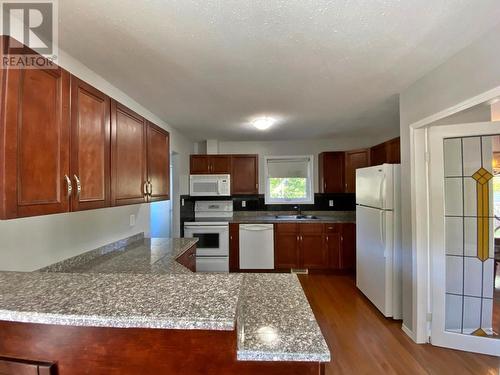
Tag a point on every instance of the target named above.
point(341, 202)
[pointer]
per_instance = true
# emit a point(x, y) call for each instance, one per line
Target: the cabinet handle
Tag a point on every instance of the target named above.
point(341, 238)
point(327, 239)
point(69, 185)
point(145, 188)
point(324, 186)
point(298, 238)
point(78, 186)
point(150, 188)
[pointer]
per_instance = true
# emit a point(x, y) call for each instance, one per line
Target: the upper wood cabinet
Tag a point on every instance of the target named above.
point(199, 164)
point(331, 171)
point(337, 170)
point(210, 164)
point(158, 163)
point(354, 160)
point(65, 146)
point(387, 152)
point(128, 156)
point(35, 142)
point(244, 174)
point(244, 170)
point(394, 151)
point(90, 147)
point(220, 164)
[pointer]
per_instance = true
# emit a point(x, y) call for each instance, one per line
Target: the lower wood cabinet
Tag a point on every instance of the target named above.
point(315, 246)
point(286, 246)
point(188, 259)
point(234, 247)
point(312, 244)
point(11, 366)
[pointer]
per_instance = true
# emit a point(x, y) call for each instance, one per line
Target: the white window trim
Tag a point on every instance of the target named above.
point(310, 184)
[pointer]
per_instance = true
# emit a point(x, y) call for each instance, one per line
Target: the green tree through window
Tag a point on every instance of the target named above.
point(288, 188)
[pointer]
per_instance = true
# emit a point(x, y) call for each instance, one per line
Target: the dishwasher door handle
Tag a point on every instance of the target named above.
point(256, 228)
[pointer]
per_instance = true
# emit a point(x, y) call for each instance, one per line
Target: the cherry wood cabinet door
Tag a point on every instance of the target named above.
point(348, 247)
point(313, 249)
point(10, 366)
point(245, 174)
point(234, 247)
point(334, 245)
point(128, 156)
point(199, 164)
point(158, 163)
point(35, 140)
point(354, 160)
point(220, 164)
point(378, 154)
point(286, 246)
point(331, 172)
point(394, 151)
point(90, 147)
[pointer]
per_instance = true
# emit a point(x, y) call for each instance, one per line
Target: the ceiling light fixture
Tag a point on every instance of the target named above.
point(263, 123)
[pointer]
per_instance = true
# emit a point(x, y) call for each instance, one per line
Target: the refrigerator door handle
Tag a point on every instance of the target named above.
point(381, 193)
point(382, 230)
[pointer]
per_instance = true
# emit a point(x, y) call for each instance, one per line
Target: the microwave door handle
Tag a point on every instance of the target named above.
point(218, 187)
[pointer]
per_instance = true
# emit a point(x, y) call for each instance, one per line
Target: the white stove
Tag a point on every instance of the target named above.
point(211, 227)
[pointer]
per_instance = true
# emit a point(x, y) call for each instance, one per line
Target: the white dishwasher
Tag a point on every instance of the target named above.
point(256, 246)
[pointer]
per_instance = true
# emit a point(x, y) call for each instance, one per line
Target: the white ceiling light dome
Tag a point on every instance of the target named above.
point(263, 123)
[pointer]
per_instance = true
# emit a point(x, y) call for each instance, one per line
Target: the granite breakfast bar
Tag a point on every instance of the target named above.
point(156, 316)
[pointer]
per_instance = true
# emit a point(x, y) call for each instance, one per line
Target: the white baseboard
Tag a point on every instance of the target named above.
point(409, 332)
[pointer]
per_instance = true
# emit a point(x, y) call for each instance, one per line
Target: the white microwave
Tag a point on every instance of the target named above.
point(209, 185)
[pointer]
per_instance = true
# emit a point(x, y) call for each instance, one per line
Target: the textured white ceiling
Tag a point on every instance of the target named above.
point(327, 68)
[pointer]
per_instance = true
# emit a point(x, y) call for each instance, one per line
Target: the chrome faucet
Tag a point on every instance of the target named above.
point(299, 210)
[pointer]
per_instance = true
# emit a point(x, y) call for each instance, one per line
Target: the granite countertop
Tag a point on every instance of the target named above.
point(254, 217)
point(120, 300)
point(276, 323)
point(141, 285)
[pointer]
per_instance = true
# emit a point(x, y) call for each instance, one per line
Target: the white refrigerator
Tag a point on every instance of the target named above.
point(378, 237)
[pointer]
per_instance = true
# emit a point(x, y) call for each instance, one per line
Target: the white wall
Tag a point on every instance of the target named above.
point(305, 147)
point(472, 71)
point(31, 243)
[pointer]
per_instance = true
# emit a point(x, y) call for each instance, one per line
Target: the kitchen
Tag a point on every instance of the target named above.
point(207, 213)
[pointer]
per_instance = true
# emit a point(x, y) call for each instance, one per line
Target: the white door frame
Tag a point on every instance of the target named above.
point(420, 227)
point(437, 259)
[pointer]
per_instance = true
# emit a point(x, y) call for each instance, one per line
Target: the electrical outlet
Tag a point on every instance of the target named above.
point(182, 202)
point(132, 220)
point(243, 204)
point(330, 203)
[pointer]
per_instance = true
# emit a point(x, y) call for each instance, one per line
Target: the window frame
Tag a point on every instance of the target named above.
point(309, 184)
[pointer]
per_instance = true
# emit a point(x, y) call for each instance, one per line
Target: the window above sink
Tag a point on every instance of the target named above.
point(289, 179)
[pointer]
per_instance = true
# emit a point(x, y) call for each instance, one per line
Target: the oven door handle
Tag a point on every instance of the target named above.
point(205, 228)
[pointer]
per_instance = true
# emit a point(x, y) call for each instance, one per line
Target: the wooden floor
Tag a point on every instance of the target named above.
point(362, 341)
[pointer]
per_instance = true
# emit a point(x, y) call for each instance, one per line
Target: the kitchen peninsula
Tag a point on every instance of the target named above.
point(136, 309)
